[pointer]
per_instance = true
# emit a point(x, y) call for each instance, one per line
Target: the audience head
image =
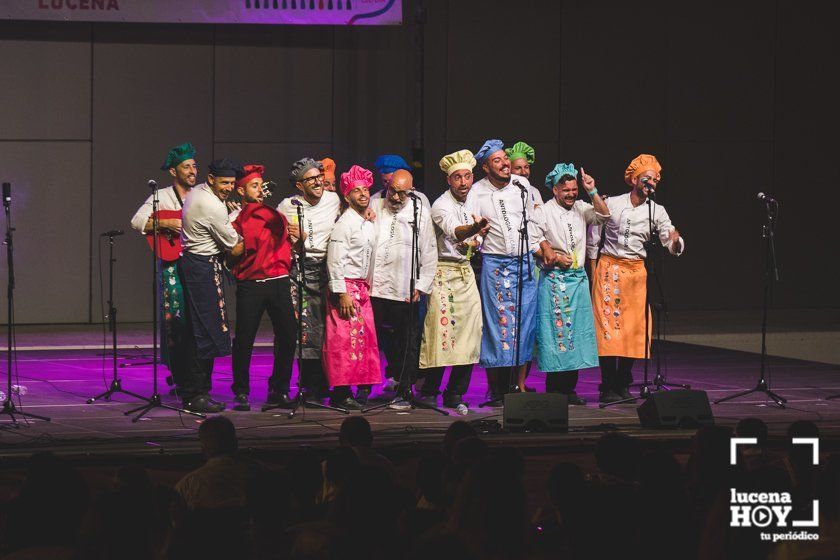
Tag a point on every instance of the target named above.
point(617, 455)
point(456, 431)
point(355, 432)
point(752, 427)
point(218, 437)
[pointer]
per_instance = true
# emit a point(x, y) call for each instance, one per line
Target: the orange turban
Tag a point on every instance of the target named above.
point(329, 168)
point(642, 163)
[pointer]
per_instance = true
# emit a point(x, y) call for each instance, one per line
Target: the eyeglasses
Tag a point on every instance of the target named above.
point(309, 181)
point(402, 195)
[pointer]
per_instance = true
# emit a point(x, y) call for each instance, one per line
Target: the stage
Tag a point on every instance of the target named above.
point(60, 381)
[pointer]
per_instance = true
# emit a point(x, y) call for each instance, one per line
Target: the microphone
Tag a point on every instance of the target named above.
point(648, 187)
point(7, 193)
point(519, 184)
point(297, 202)
point(766, 198)
point(152, 183)
point(412, 194)
point(112, 233)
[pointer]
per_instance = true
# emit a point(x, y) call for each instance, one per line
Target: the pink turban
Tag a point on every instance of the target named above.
point(355, 177)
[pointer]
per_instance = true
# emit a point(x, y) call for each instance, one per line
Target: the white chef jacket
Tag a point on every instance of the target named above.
point(206, 226)
point(392, 261)
point(447, 214)
point(503, 209)
point(566, 229)
point(350, 250)
point(318, 220)
point(627, 229)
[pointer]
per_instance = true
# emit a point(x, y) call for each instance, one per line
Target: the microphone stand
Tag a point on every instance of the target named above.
point(8, 404)
point(771, 275)
point(653, 248)
point(116, 384)
point(521, 256)
point(412, 305)
point(154, 401)
point(300, 401)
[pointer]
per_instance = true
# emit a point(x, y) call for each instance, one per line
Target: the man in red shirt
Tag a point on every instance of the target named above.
point(262, 284)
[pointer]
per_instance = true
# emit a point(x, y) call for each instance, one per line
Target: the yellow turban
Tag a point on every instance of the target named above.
point(462, 159)
point(642, 163)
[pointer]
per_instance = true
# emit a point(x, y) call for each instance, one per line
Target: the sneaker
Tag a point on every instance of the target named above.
point(276, 398)
point(348, 403)
point(203, 403)
point(462, 409)
point(400, 404)
point(391, 385)
point(240, 403)
point(362, 395)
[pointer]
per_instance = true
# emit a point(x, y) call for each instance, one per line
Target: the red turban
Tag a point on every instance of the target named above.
point(251, 172)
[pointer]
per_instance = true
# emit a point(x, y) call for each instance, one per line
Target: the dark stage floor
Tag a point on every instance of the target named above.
point(59, 382)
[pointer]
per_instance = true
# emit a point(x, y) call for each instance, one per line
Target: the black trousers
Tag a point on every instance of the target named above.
point(190, 373)
point(561, 382)
point(393, 316)
point(505, 378)
point(616, 372)
point(252, 299)
point(459, 380)
point(312, 377)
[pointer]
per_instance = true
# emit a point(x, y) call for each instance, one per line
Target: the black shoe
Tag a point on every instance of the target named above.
point(240, 403)
point(430, 400)
point(574, 399)
point(607, 397)
point(495, 401)
point(348, 403)
point(281, 400)
point(624, 393)
point(203, 403)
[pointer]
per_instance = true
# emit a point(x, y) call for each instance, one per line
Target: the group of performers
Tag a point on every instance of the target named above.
point(499, 272)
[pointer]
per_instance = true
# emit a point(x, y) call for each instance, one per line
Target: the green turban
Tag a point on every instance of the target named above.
point(177, 155)
point(521, 150)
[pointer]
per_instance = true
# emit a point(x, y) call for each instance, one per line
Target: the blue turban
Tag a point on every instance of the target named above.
point(489, 147)
point(559, 170)
point(390, 163)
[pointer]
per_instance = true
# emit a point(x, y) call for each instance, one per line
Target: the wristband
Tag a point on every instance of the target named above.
point(592, 193)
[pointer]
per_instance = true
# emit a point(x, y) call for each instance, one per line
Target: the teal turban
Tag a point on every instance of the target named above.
point(559, 171)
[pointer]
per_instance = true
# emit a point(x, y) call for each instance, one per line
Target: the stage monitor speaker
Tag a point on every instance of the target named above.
point(674, 409)
point(536, 412)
